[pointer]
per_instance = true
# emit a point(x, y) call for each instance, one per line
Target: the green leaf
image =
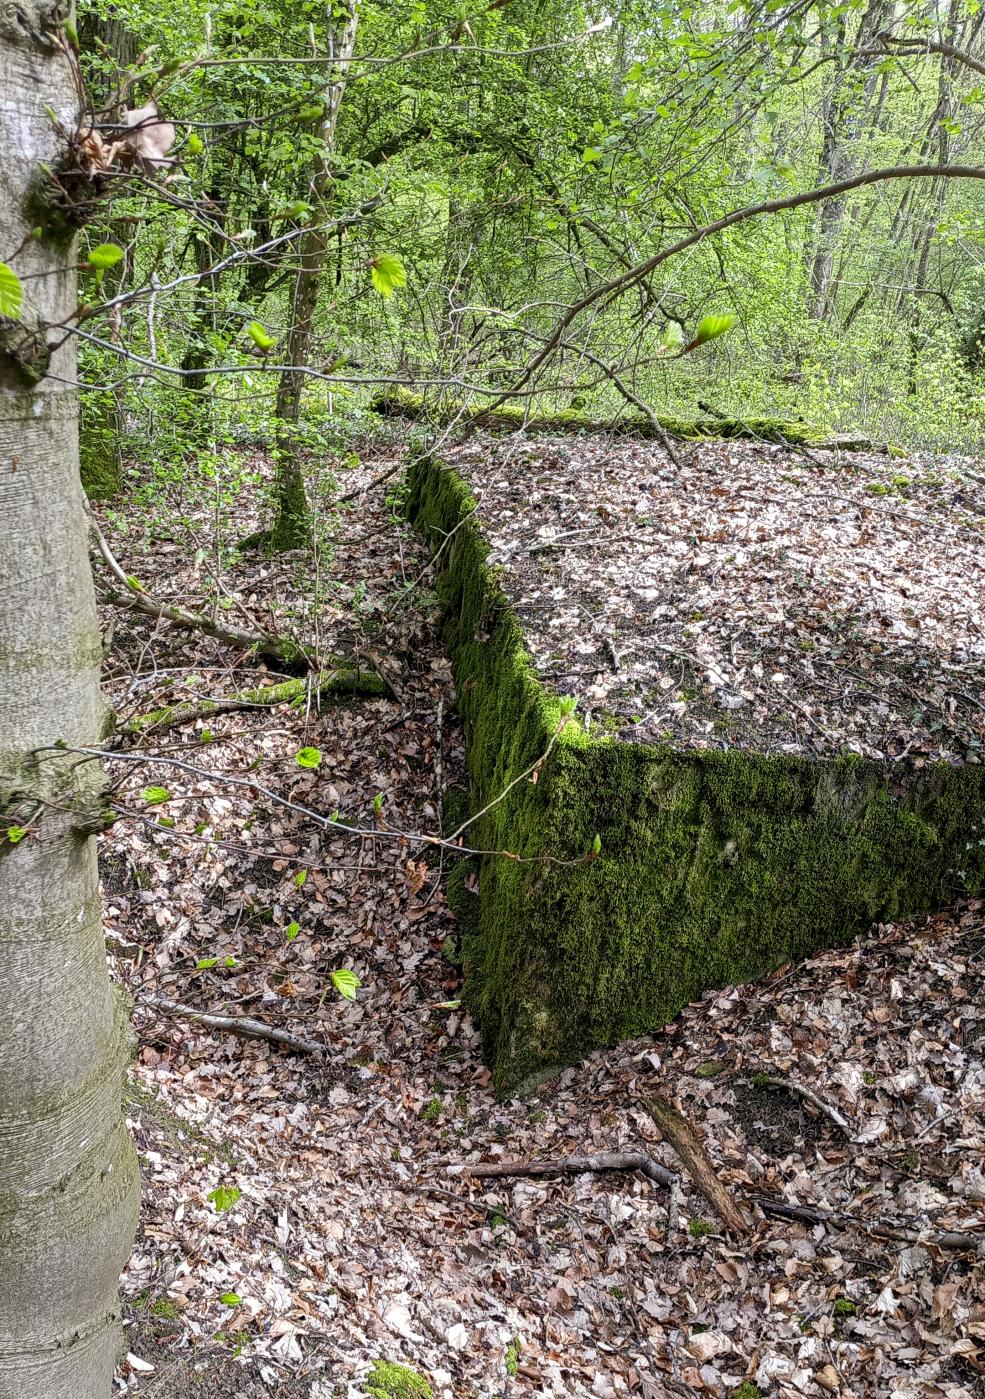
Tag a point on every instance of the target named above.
point(378, 803)
point(291, 931)
point(206, 963)
point(672, 337)
point(597, 844)
point(224, 1197)
point(153, 796)
point(134, 583)
point(104, 256)
point(590, 155)
point(300, 878)
point(230, 1299)
point(388, 273)
point(15, 834)
point(308, 757)
point(195, 143)
point(259, 336)
point(346, 983)
point(711, 327)
point(309, 115)
point(230, 962)
point(11, 293)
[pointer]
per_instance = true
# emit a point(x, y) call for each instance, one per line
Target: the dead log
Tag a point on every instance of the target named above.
point(295, 692)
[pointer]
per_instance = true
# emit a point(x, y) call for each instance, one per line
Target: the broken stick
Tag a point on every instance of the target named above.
point(576, 1165)
point(686, 1141)
point(238, 1025)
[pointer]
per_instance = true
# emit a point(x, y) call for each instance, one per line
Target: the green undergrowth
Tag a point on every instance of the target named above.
point(403, 402)
point(714, 866)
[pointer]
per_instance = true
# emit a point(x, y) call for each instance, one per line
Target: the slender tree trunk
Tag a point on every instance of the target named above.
point(846, 117)
point(68, 1180)
point(292, 526)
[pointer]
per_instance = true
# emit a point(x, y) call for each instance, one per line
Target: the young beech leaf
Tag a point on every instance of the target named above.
point(260, 338)
point(308, 757)
point(388, 273)
point(300, 878)
point(291, 931)
point(195, 143)
point(711, 327)
point(15, 834)
point(346, 983)
point(672, 338)
point(104, 256)
point(11, 293)
point(224, 1197)
point(153, 796)
point(206, 963)
point(230, 1299)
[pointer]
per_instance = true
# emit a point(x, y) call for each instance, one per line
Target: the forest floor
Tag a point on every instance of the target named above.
point(357, 1234)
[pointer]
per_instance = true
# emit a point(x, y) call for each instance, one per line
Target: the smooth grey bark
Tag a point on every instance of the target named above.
point(68, 1179)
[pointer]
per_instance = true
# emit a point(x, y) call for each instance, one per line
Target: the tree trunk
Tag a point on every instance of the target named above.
point(847, 115)
point(68, 1178)
point(292, 526)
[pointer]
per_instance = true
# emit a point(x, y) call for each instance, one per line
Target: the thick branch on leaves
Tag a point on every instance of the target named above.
point(350, 674)
point(294, 692)
point(576, 1165)
point(686, 1141)
point(238, 1025)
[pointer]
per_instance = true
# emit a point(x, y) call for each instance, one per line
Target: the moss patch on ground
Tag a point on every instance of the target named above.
point(389, 1381)
point(714, 866)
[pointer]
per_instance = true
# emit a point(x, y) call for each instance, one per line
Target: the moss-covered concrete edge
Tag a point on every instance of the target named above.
point(512, 416)
point(714, 868)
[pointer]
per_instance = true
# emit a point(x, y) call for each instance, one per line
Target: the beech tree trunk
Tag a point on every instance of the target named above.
point(68, 1178)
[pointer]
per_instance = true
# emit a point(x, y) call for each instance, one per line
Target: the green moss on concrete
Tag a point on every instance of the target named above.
point(714, 867)
point(387, 1380)
point(402, 402)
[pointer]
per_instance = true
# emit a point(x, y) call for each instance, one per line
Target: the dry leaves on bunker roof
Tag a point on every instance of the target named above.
point(758, 597)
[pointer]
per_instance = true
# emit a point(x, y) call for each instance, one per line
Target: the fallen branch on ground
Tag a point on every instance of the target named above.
point(898, 1233)
point(575, 1165)
point(686, 1141)
point(294, 692)
point(809, 1096)
point(238, 1025)
point(276, 648)
point(953, 1239)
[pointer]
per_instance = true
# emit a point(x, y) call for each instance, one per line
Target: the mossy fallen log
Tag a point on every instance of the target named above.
point(344, 680)
point(715, 866)
point(511, 416)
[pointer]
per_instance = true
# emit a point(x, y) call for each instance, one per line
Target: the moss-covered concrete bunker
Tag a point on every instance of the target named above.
point(715, 866)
